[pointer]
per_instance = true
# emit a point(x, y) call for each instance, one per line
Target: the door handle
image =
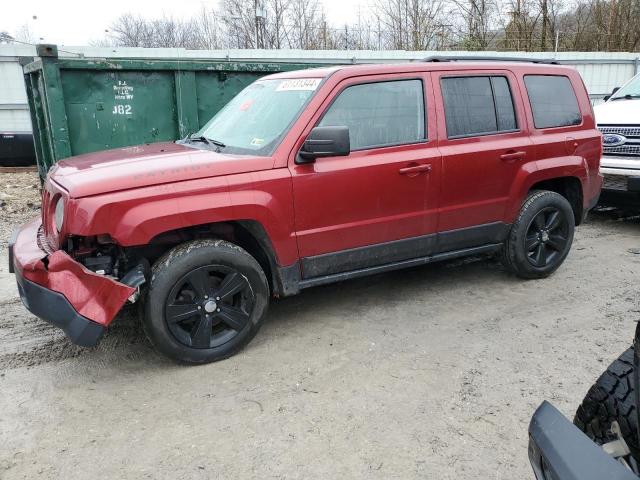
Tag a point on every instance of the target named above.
point(415, 169)
point(512, 155)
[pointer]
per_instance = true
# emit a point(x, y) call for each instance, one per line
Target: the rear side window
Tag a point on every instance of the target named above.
point(478, 105)
point(377, 114)
point(553, 101)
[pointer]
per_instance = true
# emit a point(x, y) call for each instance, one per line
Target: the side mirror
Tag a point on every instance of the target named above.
point(325, 142)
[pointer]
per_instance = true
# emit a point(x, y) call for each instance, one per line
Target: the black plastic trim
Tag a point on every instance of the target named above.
point(620, 198)
point(633, 184)
point(368, 256)
point(556, 445)
point(288, 279)
point(55, 309)
point(495, 232)
point(473, 58)
point(405, 249)
point(12, 242)
point(338, 277)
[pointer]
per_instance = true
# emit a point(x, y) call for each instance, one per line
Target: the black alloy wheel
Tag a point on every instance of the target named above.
point(547, 237)
point(540, 238)
point(209, 306)
point(206, 299)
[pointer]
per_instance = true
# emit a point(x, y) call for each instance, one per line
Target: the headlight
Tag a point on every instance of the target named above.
point(58, 217)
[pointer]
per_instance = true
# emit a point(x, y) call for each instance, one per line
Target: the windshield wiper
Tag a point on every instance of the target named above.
point(626, 97)
point(203, 139)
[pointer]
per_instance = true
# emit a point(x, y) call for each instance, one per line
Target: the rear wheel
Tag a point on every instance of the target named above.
point(541, 236)
point(612, 399)
point(206, 300)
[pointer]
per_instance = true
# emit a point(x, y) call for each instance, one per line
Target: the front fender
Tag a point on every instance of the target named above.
point(134, 217)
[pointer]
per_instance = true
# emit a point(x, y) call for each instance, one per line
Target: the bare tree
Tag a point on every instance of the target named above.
point(24, 34)
point(5, 37)
point(523, 25)
point(129, 30)
point(410, 24)
point(206, 30)
point(479, 22)
point(277, 29)
point(306, 24)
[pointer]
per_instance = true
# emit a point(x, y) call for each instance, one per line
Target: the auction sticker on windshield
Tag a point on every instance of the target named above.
point(299, 84)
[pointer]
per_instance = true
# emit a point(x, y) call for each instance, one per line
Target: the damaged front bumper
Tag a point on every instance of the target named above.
point(63, 292)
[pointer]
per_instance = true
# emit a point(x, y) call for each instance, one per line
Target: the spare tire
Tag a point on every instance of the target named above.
point(612, 398)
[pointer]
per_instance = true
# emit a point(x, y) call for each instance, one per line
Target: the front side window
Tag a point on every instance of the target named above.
point(379, 114)
point(256, 119)
point(478, 105)
point(553, 101)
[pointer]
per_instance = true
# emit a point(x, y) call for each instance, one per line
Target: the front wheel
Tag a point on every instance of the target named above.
point(541, 236)
point(206, 300)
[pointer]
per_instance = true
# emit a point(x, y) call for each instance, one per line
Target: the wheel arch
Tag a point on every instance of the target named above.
point(570, 188)
point(247, 233)
point(566, 180)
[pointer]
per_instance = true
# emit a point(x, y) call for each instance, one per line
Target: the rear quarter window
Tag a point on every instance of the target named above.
point(553, 101)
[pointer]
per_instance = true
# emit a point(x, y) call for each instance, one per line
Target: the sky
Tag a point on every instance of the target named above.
point(74, 23)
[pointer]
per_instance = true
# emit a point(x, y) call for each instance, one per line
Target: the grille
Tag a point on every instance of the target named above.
point(43, 242)
point(626, 131)
point(615, 182)
point(623, 150)
point(631, 148)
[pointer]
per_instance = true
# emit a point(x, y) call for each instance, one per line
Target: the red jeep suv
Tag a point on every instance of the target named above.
point(307, 178)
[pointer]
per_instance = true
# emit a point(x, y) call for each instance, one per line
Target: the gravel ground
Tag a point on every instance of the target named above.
point(431, 372)
point(19, 201)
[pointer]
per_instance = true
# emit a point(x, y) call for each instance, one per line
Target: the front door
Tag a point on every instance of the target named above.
point(377, 205)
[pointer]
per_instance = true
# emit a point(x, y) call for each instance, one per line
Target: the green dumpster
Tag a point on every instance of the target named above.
point(82, 105)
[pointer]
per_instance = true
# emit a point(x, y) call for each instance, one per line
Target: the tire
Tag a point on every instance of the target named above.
point(545, 224)
point(612, 398)
point(206, 300)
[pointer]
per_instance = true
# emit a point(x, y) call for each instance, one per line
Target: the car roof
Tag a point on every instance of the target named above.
point(390, 68)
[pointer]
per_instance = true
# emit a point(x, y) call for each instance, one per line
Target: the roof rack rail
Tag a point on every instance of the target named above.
point(465, 58)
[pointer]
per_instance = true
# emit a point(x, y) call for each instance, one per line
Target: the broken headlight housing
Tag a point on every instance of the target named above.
point(58, 216)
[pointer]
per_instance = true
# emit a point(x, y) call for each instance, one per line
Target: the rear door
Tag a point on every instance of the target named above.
point(563, 130)
point(367, 209)
point(484, 142)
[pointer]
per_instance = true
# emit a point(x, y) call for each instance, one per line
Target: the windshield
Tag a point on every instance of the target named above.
point(631, 89)
point(258, 117)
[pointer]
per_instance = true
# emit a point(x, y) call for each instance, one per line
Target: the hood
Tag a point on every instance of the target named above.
point(618, 112)
point(147, 165)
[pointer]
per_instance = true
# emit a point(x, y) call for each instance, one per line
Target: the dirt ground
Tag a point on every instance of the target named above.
point(432, 372)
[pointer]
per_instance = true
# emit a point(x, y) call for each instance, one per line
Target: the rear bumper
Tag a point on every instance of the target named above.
point(63, 292)
point(621, 187)
point(559, 451)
